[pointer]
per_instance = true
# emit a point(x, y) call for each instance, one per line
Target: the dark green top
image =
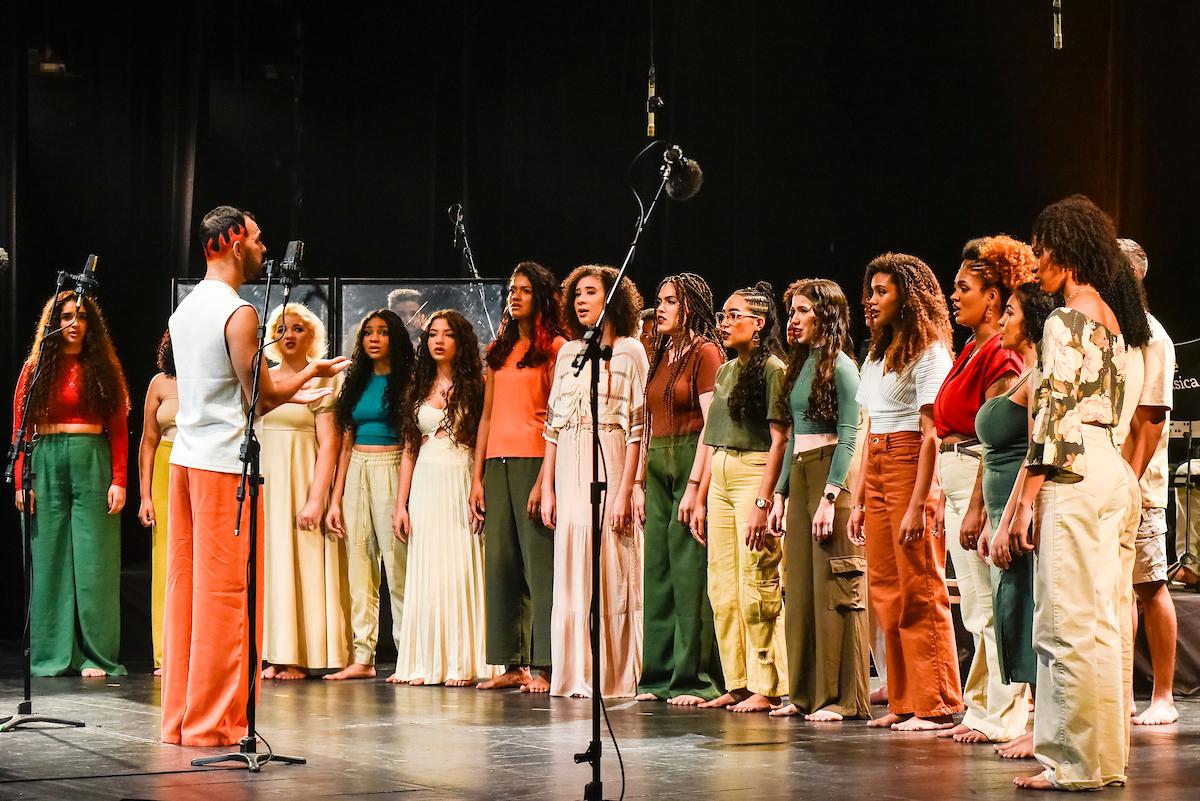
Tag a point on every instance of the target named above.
point(845, 379)
point(1003, 428)
point(722, 431)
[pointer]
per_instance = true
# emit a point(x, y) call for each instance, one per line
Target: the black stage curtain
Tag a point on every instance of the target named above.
point(828, 133)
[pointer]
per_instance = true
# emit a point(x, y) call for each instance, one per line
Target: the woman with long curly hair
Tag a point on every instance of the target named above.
point(306, 623)
point(506, 482)
point(78, 407)
point(991, 268)
point(566, 481)
point(826, 626)
point(747, 434)
point(1002, 424)
point(896, 493)
point(368, 410)
point(442, 634)
point(154, 474)
point(679, 656)
point(1085, 494)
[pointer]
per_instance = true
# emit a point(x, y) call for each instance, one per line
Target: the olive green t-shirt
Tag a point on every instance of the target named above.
point(722, 431)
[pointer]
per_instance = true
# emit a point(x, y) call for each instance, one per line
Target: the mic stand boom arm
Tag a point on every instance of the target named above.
point(592, 353)
point(468, 257)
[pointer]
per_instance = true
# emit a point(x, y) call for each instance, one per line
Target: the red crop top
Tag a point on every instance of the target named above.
point(67, 407)
point(962, 392)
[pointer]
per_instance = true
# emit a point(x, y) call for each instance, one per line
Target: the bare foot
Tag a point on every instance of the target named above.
point(785, 711)
point(824, 716)
point(269, 672)
point(395, 679)
point(457, 682)
point(355, 670)
point(879, 695)
point(517, 677)
point(1160, 712)
point(417, 683)
point(924, 724)
point(539, 684)
point(92, 673)
point(1038, 782)
point(957, 730)
point(645, 697)
point(887, 721)
point(292, 673)
point(971, 736)
point(685, 700)
point(1018, 748)
point(725, 700)
point(158, 671)
point(756, 703)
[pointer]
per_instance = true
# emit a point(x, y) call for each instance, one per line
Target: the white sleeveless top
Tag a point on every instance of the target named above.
point(210, 420)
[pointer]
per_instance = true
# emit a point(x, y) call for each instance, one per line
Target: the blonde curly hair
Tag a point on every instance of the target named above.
point(312, 322)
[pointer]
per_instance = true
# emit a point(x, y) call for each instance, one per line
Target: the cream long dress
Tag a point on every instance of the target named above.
point(306, 598)
point(442, 631)
point(568, 423)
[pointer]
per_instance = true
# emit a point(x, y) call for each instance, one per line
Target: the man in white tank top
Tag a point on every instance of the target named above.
point(215, 334)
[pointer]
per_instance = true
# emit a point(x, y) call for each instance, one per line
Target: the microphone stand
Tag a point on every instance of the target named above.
point(23, 445)
point(592, 354)
point(468, 258)
point(251, 478)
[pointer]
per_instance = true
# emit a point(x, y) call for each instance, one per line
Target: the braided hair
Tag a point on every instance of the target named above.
point(831, 338)
point(697, 327)
point(748, 400)
point(999, 262)
point(924, 319)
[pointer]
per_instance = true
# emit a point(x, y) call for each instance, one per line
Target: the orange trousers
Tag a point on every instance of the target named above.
point(205, 649)
point(907, 584)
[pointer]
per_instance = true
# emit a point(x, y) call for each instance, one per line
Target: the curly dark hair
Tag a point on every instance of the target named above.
point(164, 358)
point(1082, 239)
point(748, 399)
point(547, 322)
point(104, 391)
point(464, 402)
point(1036, 307)
point(924, 319)
point(697, 326)
point(358, 375)
point(832, 311)
point(625, 311)
point(999, 262)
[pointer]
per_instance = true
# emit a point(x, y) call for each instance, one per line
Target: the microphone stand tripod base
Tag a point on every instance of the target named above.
point(25, 715)
point(250, 756)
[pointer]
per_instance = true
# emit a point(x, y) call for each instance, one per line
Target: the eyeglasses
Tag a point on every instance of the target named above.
point(734, 316)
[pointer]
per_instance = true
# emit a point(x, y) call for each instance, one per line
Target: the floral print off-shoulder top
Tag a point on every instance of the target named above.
point(1082, 368)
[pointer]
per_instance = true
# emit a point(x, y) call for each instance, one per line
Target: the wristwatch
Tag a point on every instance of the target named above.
point(761, 503)
point(830, 496)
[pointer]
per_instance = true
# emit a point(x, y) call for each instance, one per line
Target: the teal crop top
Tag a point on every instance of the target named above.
point(845, 379)
point(371, 425)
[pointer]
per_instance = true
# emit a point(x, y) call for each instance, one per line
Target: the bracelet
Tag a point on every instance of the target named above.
point(695, 481)
point(858, 506)
point(638, 482)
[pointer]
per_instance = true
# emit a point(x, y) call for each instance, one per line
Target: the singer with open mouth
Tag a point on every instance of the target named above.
point(78, 409)
point(215, 336)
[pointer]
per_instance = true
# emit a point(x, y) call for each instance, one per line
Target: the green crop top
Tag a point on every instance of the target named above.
point(845, 379)
point(371, 424)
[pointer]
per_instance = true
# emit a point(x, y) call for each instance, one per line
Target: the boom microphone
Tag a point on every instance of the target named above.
point(684, 175)
point(86, 281)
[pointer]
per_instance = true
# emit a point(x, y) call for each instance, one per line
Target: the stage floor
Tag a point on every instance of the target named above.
point(369, 740)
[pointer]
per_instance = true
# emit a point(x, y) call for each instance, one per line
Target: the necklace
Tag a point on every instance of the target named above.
point(1077, 291)
point(443, 388)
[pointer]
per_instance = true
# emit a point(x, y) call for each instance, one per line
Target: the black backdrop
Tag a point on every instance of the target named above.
point(828, 132)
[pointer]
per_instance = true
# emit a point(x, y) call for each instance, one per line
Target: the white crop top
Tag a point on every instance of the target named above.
point(893, 401)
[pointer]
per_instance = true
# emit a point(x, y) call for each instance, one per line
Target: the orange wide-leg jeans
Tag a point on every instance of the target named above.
point(205, 648)
point(907, 584)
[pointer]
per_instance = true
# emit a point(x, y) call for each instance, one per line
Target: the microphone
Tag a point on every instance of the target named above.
point(293, 262)
point(684, 176)
point(86, 281)
point(1056, 12)
point(455, 213)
